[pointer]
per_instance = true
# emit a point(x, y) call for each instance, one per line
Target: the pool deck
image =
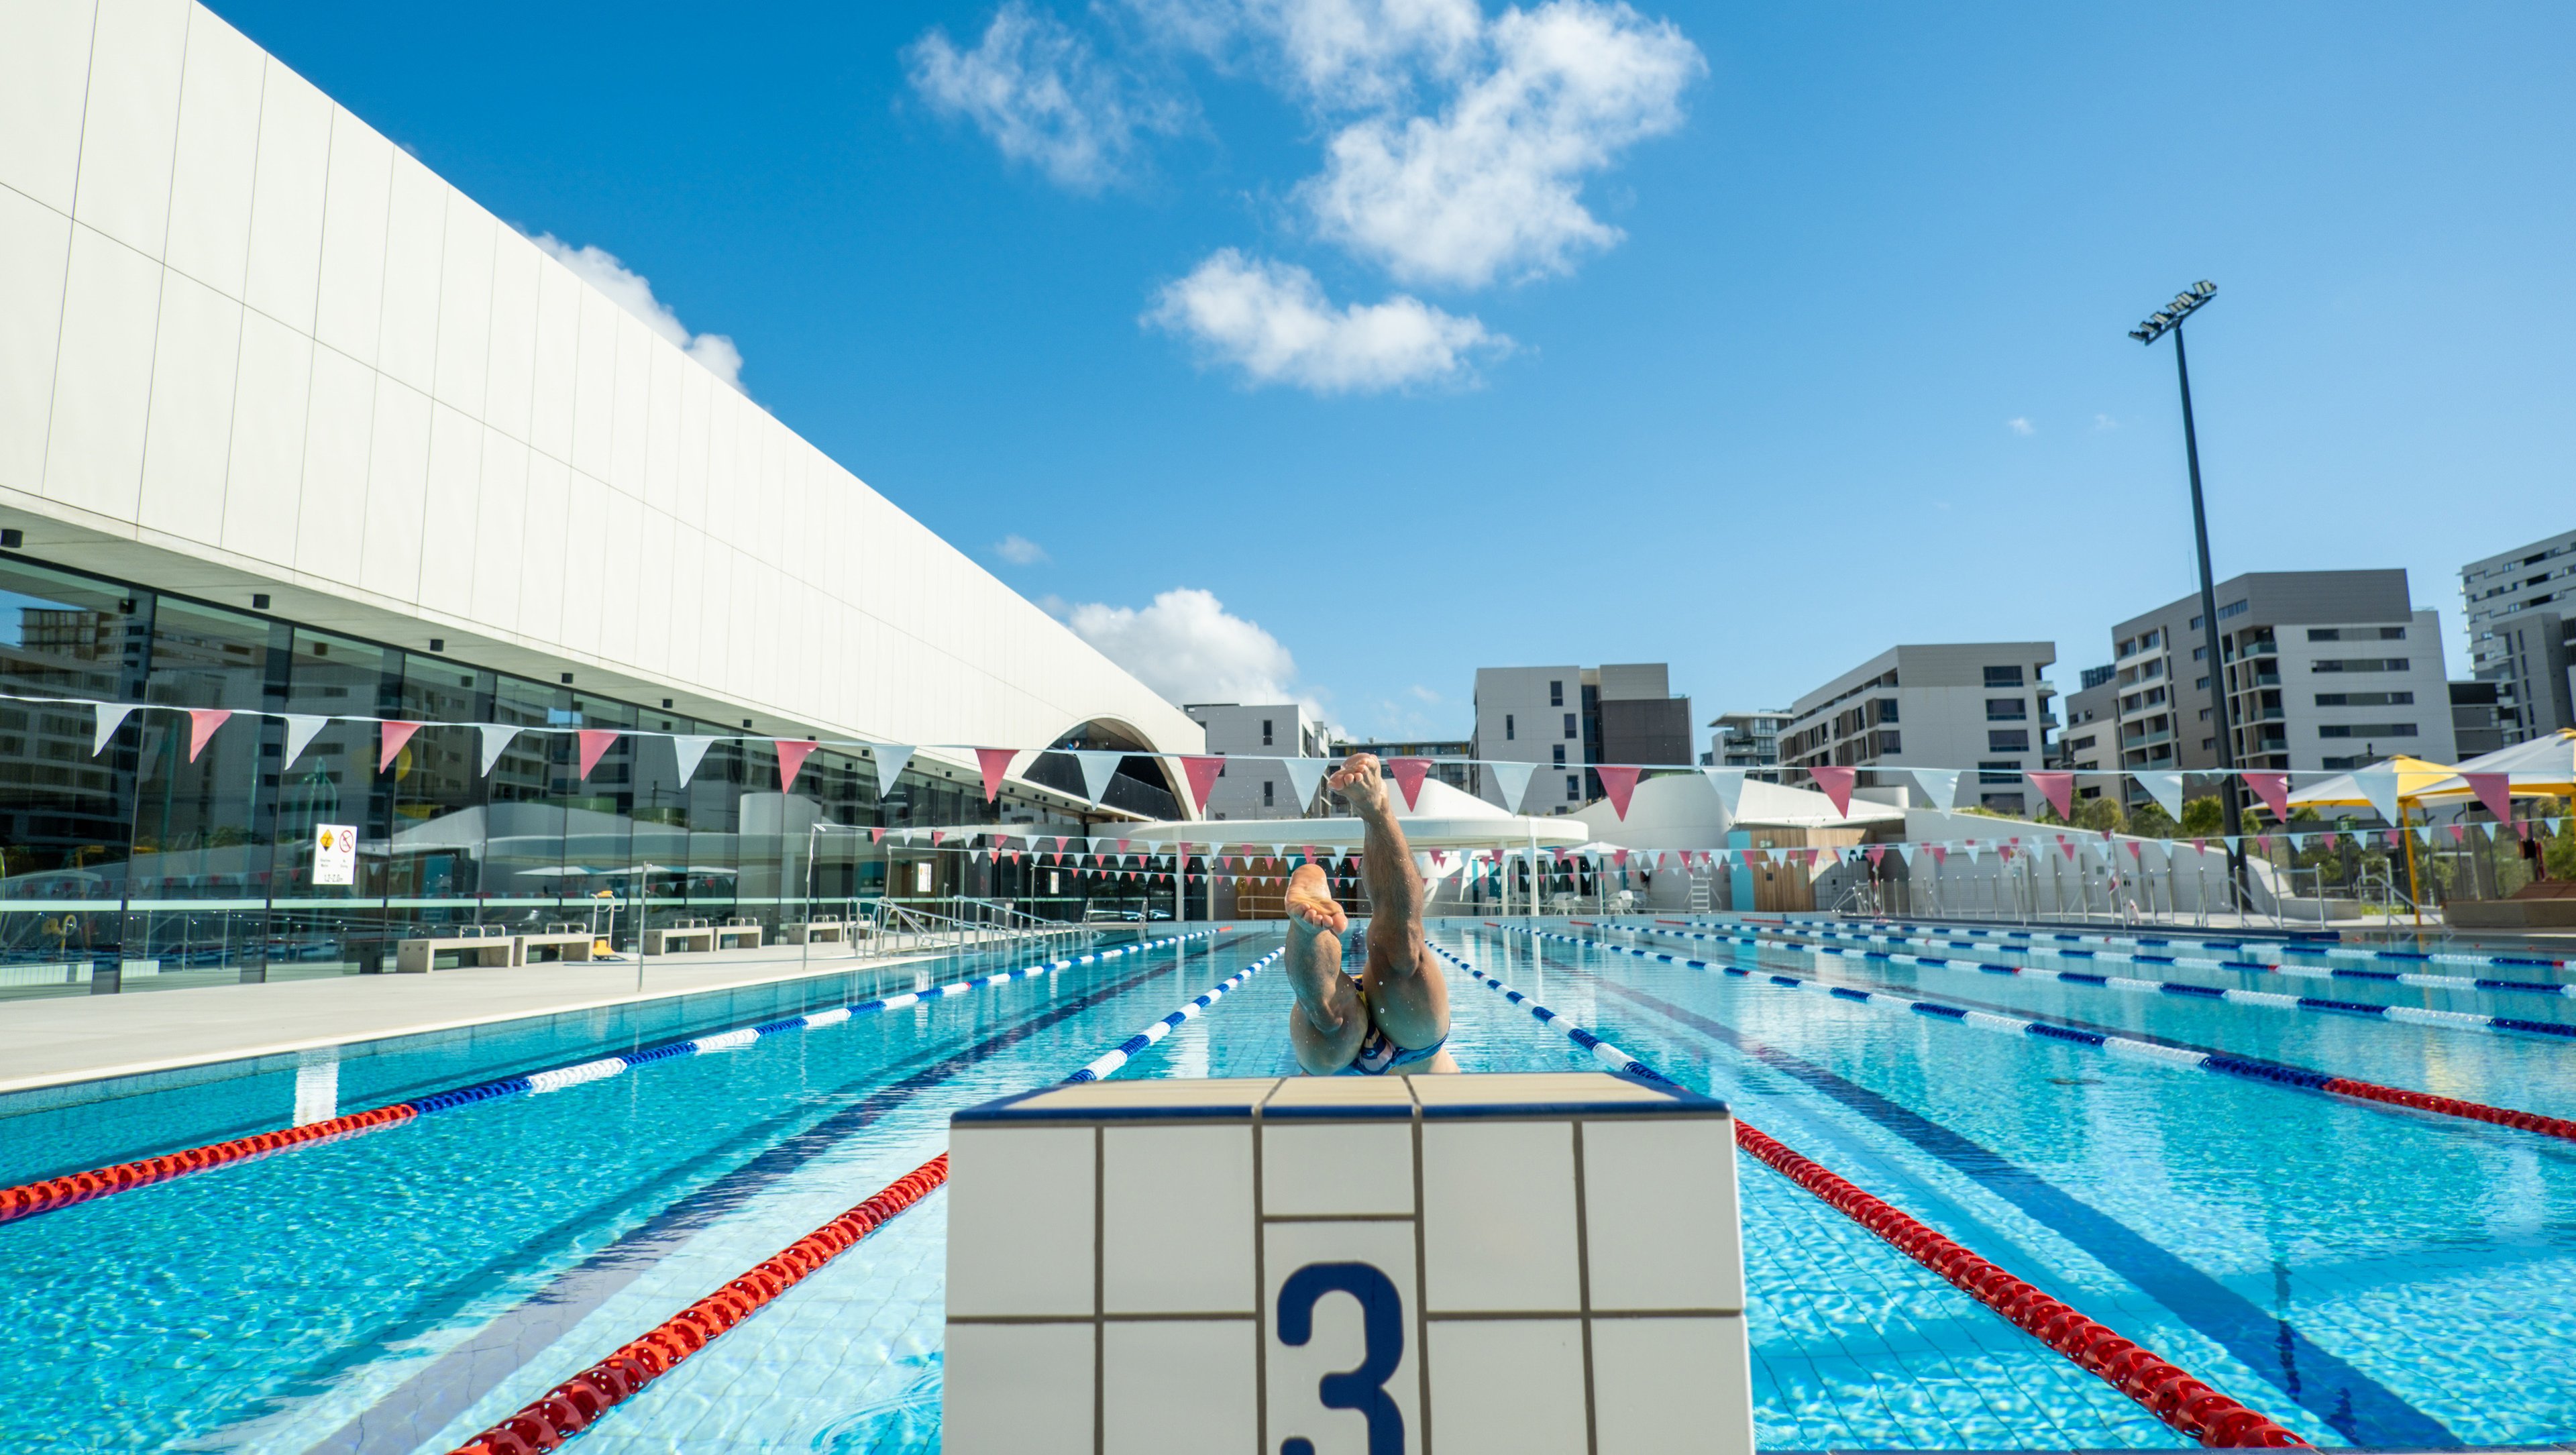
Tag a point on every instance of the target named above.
point(66, 1039)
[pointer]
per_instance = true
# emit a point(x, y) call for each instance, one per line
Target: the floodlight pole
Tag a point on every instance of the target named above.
point(2170, 320)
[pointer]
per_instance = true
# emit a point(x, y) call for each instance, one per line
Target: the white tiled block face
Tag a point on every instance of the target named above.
point(350, 315)
point(541, 582)
point(447, 531)
point(1020, 1221)
point(397, 492)
point(1498, 1227)
point(34, 245)
point(331, 517)
point(1179, 1387)
point(594, 383)
point(1176, 1220)
point(44, 76)
point(1660, 1214)
point(1311, 1169)
point(132, 123)
point(1508, 1386)
point(267, 465)
point(1017, 1389)
point(510, 384)
point(631, 409)
point(465, 304)
point(501, 527)
point(1337, 1339)
point(550, 401)
point(415, 239)
point(187, 441)
point(111, 310)
point(218, 152)
point(1665, 1385)
point(286, 198)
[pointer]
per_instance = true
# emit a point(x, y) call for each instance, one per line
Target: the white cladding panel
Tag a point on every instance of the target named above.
point(245, 342)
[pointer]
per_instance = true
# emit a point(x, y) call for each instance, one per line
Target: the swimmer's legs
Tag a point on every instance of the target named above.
point(1407, 993)
point(1327, 1023)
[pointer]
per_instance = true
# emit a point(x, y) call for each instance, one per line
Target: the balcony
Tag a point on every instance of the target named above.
point(2146, 740)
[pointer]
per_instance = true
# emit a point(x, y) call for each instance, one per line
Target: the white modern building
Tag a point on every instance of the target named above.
point(1981, 705)
point(2519, 607)
point(1746, 739)
point(1564, 720)
point(2326, 670)
point(1251, 785)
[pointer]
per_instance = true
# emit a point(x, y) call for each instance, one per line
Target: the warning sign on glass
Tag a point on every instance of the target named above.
point(335, 854)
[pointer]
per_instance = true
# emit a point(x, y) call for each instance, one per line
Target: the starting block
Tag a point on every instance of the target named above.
point(1473, 1264)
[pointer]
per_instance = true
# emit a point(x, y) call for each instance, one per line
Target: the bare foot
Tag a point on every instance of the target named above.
point(1360, 781)
point(1310, 902)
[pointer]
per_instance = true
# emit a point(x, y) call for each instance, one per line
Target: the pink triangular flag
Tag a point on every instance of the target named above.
point(2459, 833)
point(1619, 858)
point(1618, 780)
point(2057, 788)
point(876, 836)
point(202, 722)
point(1836, 785)
point(1201, 773)
point(791, 757)
point(595, 743)
point(2495, 791)
point(393, 736)
point(1876, 853)
point(2273, 789)
point(1940, 855)
point(1408, 774)
point(2396, 838)
point(2068, 845)
point(936, 835)
point(996, 763)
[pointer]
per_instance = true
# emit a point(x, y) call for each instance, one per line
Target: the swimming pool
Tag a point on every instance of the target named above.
point(2362, 1273)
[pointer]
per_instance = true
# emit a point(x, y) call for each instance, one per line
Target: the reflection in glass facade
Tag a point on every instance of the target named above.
point(137, 868)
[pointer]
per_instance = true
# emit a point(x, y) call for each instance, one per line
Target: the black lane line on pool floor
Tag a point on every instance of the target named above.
point(2357, 1407)
point(425, 1403)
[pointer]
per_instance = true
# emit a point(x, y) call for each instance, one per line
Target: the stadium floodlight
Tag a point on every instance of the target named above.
point(2172, 314)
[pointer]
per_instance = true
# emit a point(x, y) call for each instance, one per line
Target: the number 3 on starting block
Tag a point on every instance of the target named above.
point(1346, 1266)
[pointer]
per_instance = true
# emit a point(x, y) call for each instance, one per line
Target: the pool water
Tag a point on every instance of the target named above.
point(2364, 1274)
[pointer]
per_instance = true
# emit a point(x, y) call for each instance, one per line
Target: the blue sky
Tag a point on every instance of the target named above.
point(1405, 336)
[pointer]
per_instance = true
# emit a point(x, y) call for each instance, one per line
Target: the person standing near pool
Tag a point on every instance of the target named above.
point(1392, 1017)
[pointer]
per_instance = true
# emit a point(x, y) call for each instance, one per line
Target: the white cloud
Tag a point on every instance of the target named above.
point(1189, 648)
point(1043, 95)
point(1272, 321)
point(1332, 54)
point(2104, 421)
point(1490, 187)
point(633, 292)
point(1424, 693)
point(1019, 550)
point(2021, 426)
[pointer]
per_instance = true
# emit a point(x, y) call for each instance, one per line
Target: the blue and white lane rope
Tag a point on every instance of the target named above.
point(560, 1077)
point(2455, 1020)
point(2286, 947)
point(2185, 1057)
point(1128, 1049)
point(1602, 1051)
point(2456, 984)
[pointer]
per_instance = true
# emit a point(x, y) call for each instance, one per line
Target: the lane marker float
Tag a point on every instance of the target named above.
point(29, 1199)
point(2161, 1387)
point(2285, 947)
point(2189, 1057)
point(546, 1422)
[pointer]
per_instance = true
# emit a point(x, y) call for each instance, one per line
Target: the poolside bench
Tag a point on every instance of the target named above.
point(740, 935)
point(475, 945)
point(688, 934)
point(814, 932)
point(567, 945)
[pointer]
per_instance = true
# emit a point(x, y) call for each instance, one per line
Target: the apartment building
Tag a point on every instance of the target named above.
point(1449, 757)
point(1953, 705)
point(1745, 739)
point(1569, 719)
point(1255, 787)
point(2324, 670)
point(2521, 611)
point(2090, 741)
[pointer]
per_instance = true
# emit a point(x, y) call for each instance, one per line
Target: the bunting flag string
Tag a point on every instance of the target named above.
point(300, 733)
point(202, 722)
point(890, 760)
point(595, 743)
point(394, 736)
point(687, 752)
point(497, 738)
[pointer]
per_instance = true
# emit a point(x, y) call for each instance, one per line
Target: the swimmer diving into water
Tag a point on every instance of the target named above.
point(1392, 1017)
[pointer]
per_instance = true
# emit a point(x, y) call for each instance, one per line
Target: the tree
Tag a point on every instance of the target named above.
point(2101, 815)
point(2202, 817)
point(2150, 821)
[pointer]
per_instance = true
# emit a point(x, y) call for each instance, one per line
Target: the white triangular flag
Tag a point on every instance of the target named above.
point(1940, 785)
point(496, 741)
point(2165, 789)
point(1729, 783)
point(1908, 851)
point(891, 758)
point(690, 750)
point(1512, 780)
point(300, 731)
point(111, 716)
point(2379, 785)
point(1305, 775)
point(1098, 768)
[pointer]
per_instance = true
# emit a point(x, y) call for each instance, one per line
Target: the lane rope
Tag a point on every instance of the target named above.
point(71, 1188)
point(1931, 935)
point(546, 1422)
point(2284, 947)
point(2188, 1057)
point(2455, 1020)
point(2163, 1388)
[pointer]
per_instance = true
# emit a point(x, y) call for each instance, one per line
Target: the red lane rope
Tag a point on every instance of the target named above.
point(2164, 1388)
point(2476, 1111)
point(564, 1411)
point(32, 1198)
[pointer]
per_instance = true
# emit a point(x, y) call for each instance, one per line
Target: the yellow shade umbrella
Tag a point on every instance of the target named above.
point(2544, 767)
point(2371, 787)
